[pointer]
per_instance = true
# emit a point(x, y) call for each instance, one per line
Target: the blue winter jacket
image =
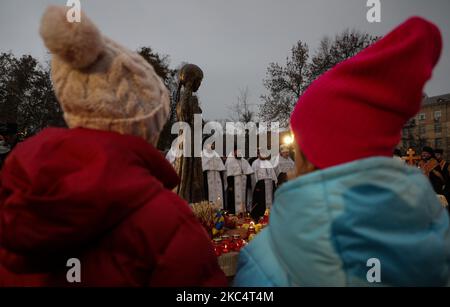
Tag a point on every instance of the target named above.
point(328, 226)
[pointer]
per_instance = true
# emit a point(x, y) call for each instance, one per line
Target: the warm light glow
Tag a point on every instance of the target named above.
point(288, 140)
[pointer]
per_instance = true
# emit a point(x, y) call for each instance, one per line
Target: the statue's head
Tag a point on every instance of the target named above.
point(191, 77)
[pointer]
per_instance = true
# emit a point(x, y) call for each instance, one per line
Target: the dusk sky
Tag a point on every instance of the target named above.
point(233, 41)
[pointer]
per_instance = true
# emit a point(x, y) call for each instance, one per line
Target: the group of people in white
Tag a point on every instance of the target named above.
point(239, 185)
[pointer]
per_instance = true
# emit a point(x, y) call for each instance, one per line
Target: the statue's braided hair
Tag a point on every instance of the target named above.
point(190, 76)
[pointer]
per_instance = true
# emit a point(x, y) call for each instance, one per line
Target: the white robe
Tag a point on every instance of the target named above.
point(263, 170)
point(212, 164)
point(239, 169)
point(282, 165)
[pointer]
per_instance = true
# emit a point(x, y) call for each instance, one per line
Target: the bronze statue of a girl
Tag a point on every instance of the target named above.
point(189, 169)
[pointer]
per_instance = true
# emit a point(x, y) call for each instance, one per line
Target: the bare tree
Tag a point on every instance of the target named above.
point(285, 84)
point(241, 111)
point(333, 51)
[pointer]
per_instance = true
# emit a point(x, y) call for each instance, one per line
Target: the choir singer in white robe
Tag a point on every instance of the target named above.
point(212, 166)
point(238, 184)
point(263, 183)
point(283, 165)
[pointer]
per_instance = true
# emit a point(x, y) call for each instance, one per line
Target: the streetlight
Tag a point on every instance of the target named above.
point(288, 140)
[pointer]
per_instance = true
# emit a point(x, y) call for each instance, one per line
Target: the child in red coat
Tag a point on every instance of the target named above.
point(99, 192)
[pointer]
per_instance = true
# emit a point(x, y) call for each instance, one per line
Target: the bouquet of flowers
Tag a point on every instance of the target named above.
point(208, 215)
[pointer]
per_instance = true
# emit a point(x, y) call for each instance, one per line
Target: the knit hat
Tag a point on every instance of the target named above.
point(357, 109)
point(100, 84)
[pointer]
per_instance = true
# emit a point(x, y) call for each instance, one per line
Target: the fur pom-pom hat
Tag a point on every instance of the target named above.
point(100, 84)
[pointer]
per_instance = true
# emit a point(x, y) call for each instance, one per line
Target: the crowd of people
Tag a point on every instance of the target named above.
point(238, 185)
point(434, 166)
point(100, 192)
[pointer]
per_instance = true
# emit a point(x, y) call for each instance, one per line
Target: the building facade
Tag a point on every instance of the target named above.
point(430, 127)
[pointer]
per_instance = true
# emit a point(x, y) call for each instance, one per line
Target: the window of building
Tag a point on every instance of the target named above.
point(422, 116)
point(437, 128)
point(437, 115)
point(438, 143)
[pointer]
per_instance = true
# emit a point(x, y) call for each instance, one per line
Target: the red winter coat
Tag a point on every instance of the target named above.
point(105, 199)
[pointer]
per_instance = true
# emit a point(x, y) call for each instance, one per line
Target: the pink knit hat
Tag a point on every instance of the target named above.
point(358, 109)
point(100, 84)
